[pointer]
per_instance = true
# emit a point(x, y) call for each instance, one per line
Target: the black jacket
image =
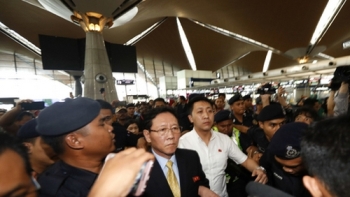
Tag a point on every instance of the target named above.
point(190, 172)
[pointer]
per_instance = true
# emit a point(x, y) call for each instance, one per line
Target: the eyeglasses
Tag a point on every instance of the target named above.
point(163, 131)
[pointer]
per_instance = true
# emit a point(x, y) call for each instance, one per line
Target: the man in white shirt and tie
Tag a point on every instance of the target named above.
point(214, 148)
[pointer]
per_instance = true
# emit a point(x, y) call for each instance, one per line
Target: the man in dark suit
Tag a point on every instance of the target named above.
point(176, 172)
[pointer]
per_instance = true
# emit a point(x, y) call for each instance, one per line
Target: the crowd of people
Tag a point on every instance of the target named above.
point(199, 147)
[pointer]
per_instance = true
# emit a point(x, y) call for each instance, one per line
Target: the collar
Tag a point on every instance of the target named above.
point(213, 134)
point(85, 177)
point(162, 161)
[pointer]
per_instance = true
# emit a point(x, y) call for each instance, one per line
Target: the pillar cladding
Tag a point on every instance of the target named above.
point(98, 80)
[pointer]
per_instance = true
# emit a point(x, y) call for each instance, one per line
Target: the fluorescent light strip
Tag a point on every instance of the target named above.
point(138, 37)
point(325, 56)
point(330, 12)
point(186, 45)
point(267, 61)
point(237, 36)
point(14, 35)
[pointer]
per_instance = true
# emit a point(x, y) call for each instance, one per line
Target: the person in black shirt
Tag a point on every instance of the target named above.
point(247, 100)
point(241, 120)
point(77, 131)
point(285, 166)
point(131, 110)
point(270, 119)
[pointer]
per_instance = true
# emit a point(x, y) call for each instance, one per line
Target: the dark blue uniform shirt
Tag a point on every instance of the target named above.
point(63, 180)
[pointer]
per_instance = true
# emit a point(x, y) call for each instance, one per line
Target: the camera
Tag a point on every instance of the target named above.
point(266, 89)
point(341, 74)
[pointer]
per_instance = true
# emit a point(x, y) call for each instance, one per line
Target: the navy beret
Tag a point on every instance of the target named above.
point(271, 112)
point(28, 130)
point(222, 115)
point(64, 117)
point(236, 97)
point(246, 97)
point(285, 143)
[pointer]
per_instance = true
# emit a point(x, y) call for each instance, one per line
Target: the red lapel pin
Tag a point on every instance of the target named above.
point(196, 178)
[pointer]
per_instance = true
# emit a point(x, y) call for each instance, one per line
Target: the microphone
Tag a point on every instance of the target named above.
point(255, 189)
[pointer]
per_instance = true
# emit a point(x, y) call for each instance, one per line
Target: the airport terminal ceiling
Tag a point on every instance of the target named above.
point(282, 25)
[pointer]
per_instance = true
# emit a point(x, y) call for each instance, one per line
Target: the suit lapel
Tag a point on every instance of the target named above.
point(159, 178)
point(181, 164)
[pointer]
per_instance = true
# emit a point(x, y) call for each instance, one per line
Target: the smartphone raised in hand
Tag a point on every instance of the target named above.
point(33, 105)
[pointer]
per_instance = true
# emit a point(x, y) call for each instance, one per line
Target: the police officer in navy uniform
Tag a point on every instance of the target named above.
point(285, 167)
point(269, 119)
point(77, 131)
point(241, 120)
point(247, 101)
point(236, 175)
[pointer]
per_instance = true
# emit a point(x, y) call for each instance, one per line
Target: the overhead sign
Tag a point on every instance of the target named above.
point(125, 82)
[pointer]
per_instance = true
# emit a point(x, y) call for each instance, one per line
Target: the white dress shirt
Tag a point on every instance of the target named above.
point(214, 157)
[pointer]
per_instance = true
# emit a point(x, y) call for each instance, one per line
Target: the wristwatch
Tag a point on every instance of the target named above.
point(261, 168)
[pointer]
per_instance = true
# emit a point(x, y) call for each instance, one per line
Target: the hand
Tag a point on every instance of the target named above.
point(253, 153)
point(206, 192)
point(256, 157)
point(120, 170)
point(261, 176)
point(281, 91)
point(265, 97)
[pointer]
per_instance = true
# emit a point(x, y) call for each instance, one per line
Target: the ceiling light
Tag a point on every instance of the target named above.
point(267, 61)
point(303, 59)
point(57, 8)
point(20, 39)
point(125, 17)
point(186, 45)
point(237, 36)
point(329, 13)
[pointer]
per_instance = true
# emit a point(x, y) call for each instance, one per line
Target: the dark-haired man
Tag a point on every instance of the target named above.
point(236, 177)
point(77, 131)
point(159, 102)
point(248, 104)
point(306, 115)
point(214, 148)
point(131, 110)
point(122, 137)
point(270, 120)
point(241, 120)
point(220, 104)
point(15, 171)
point(176, 172)
point(223, 97)
point(41, 154)
point(325, 150)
